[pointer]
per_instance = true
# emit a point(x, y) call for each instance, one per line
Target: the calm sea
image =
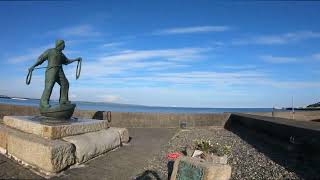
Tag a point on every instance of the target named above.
point(137, 108)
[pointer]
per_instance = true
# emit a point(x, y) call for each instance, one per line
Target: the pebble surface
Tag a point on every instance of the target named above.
point(247, 162)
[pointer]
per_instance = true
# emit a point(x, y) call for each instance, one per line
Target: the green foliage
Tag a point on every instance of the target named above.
point(214, 148)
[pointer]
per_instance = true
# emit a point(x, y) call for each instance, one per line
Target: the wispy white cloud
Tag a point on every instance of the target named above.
point(83, 30)
point(294, 84)
point(187, 79)
point(278, 39)
point(30, 55)
point(192, 29)
point(316, 56)
point(237, 66)
point(171, 88)
point(217, 43)
point(23, 58)
point(212, 78)
point(143, 60)
point(288, 59)
point(160, 96)
point(141, 89)
point(278, 59)
point(112, 44)
point(110, 98)
point(179, 54)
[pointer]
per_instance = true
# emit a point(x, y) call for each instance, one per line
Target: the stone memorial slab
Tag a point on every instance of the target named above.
point(45, 128)
point(195, 169)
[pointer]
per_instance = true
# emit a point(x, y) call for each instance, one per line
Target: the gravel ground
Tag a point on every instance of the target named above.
point(247, 162)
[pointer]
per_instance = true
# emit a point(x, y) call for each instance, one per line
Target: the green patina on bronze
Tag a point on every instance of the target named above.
point(54, 74)
point(187, 171)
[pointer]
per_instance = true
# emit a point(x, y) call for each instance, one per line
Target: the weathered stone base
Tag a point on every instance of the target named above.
point(124, 134)
point(34, 125)
point(92, 144)
point(50, 156)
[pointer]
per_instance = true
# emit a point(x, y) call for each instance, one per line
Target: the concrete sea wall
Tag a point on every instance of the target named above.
point(297, 115)
point(132, 119)
point(300, 136)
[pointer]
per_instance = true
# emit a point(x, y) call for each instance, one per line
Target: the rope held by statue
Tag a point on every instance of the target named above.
point(28, 79)
point(78, 71)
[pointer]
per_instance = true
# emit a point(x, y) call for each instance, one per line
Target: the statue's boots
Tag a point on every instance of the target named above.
point(44, 105)
point(65, 102)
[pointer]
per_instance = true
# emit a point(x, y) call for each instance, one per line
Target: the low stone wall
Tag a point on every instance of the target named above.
point(298, 115)
point(132, 119)
point(10, 110)
point(299, 135)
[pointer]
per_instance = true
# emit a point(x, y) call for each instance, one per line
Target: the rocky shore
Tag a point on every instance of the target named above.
point(247, 161)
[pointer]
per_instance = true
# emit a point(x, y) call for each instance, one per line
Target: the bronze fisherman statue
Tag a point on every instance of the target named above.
point(54, 74)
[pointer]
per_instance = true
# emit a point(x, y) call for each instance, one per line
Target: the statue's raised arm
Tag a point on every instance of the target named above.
point(40, 60)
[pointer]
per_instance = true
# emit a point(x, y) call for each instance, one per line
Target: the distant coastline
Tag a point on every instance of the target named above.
point(86, 105)
point(17, 98)
point(311, 107)
point(104, 106)
point(304, 109)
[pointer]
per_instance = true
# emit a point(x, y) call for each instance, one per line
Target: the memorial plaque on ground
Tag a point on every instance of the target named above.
point(198, 169)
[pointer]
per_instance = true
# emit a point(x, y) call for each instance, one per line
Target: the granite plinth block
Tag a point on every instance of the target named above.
point(3, 138)
point(47, 155)
point(92, 144)
point(35, 125)
point(124, 134)
point(50, 147)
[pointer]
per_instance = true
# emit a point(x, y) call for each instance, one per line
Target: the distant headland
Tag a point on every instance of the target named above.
point(311, 107)
point(18, 98)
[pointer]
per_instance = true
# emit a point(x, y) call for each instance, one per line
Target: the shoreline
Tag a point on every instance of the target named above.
point(138, 108)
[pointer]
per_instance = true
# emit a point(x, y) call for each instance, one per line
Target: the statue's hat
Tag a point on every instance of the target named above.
point(59, 42)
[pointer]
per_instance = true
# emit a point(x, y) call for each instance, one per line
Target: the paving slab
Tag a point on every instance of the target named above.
point(126, 162)
point(123, 163)
point(9, 169)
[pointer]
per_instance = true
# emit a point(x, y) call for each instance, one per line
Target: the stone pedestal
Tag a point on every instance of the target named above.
point(53, 130)
point(52, 147)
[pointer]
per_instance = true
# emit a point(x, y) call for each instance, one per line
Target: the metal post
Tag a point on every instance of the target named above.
point(292, 109)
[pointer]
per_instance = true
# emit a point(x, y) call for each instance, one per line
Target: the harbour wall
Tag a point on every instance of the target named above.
point(296, 137)
point(132, 119)
point(297, 115)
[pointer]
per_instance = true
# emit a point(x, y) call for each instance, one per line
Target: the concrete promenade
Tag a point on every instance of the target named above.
point(123, 163)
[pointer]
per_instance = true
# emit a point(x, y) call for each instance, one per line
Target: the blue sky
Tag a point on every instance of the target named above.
point(168, 53)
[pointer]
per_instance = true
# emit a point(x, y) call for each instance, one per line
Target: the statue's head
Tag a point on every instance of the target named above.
point(60, 44)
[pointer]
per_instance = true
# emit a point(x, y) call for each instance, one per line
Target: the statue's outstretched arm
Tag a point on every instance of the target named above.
point(68, 61)
point(41, 59)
